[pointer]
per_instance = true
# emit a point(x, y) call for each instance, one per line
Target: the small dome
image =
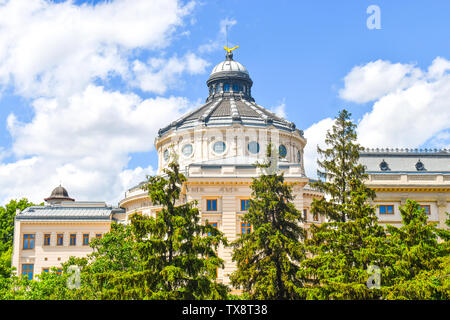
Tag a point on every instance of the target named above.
point(229, 65)
point(59, 194)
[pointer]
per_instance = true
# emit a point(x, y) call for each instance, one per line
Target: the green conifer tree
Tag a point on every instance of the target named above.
point(268, 257)
point(420, 252)
point(342, 249)
point(176, 254)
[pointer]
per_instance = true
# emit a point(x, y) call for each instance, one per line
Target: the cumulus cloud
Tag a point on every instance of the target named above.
point(376, 79)
point(57, 56)
point(86, 147)
point(411, 107)
point(315, 136)
point(410, 116)
point(160, 74)
point(49, 48)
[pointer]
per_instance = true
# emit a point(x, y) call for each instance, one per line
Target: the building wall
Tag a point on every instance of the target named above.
point(52, 255)
point(236, 139)
point(228, 192)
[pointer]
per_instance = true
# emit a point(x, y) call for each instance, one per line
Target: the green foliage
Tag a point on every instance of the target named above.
point(340, 173)
point(170, 257)
point(267, 258)
point(7, 214)
point(342, 249)
point(421, 265)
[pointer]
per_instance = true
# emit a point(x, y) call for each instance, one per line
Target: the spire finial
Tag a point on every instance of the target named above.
point(229, 55)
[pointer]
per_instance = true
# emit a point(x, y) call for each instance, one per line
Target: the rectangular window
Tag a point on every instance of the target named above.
point(98, 235)
point(85, 239)
point(212, 224)
point(245, 228)
point(27, 270)
point(58, 272)
point(211, 205)
point(386, 209)
point(244, 204)
point(73, 239)
point(315, 216)
point(59, 240)
point(44, 269)
point(427, 208)
point(46, 239)
point(305, 214)
point(28, 241)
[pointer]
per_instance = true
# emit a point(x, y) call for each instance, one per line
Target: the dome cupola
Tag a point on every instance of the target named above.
point(229, 78)
point(59, 194)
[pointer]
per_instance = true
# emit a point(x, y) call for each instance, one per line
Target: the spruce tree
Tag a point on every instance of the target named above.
point(342, 249)
point(268, 257)
point(176, 255)
point(339, 171)
point(420, 265)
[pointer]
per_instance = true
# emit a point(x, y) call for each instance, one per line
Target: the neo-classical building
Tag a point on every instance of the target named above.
point(400, 174)
point(46, 236)
point(217, 146)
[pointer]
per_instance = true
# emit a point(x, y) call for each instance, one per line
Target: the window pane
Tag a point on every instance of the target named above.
point(282, 151)
point(219, 147)
point(382, 209)
point(390, 209)
point(187, 150)
point(253, 147)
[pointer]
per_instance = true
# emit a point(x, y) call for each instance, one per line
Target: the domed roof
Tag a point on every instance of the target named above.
point(229, 65)
point(59, 193)
point(230, 102)
point(229, 69)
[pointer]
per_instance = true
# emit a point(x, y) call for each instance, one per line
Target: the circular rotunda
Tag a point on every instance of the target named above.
point(217, 146)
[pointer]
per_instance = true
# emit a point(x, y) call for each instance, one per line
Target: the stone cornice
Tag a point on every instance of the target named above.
point(409, 188)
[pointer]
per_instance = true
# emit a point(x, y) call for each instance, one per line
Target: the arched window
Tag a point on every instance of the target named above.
point(282, 151)
point(166, 155)
point(187, 150)
point(226, 87)
point(253, 147)
point(236, 87)
point(219, 147)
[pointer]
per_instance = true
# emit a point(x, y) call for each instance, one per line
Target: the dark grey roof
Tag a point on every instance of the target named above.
point(67, 213)
point(59, 193)
point(418, 161)
point(228, 110)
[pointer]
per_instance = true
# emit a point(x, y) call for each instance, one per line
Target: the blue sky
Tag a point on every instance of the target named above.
point(307, 59)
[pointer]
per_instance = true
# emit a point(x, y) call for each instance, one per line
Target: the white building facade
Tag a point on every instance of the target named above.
point(217, 146)
point(400, 174)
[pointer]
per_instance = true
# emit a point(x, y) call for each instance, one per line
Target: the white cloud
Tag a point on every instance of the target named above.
point(159, 74)
point(376, 79)
point(411, 116)
point(221, 38)
point(315, 136)
point(280, 110)
point(82, 134)
point(49, 49)
point(85, 143)
point(411, 107)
